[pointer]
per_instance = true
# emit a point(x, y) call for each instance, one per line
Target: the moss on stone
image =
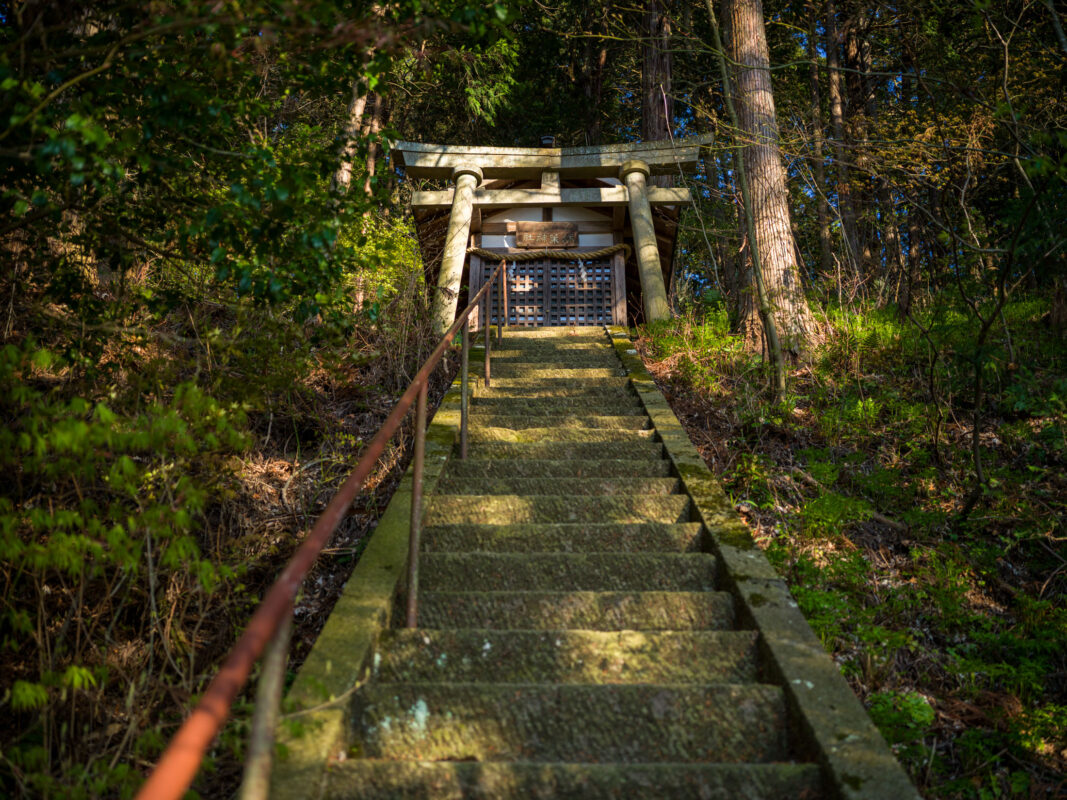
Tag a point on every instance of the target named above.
point(510, 509)
point(589, 724)
point(552, 486)
point(642, 611)
point(587, 537)
point(568, 571)
point(559, 468)
point(390, 780)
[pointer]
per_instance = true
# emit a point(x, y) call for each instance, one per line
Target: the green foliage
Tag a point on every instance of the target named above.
point(925, 613)
point(829, 514)
point(180, 280)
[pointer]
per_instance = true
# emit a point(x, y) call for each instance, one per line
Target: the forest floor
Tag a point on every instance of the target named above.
point(951, 627)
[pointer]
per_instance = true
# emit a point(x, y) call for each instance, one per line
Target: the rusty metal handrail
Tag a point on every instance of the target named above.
point(179, 763)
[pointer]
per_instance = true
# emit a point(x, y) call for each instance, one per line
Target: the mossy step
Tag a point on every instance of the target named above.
point(601, 396)
point(520, 345)
point(548, 434)
point(563, 333)
point(593, 356)
point(562, 383)
point(624, 404)
point(584, 657)
point(601, 611)
point(647, 723)
point(507, 484)
point(540, 372)
point(588, 572)
point(370, 779)
point(581, 451)
point(559, 468)
point(508, 509)
point(521, 421)
point(584, 537)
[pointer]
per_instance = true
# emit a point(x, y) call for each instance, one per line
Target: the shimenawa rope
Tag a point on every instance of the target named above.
point(555, 255)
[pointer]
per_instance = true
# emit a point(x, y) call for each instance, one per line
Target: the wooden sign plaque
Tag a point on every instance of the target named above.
point(546, 235)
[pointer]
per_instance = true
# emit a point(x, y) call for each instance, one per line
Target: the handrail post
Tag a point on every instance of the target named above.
point(416, 507)
point(488, 328)
point(256, 781)
point(503, 301)
point(464, 383)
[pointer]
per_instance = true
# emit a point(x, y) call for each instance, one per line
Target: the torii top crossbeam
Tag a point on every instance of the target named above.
point(609, 176)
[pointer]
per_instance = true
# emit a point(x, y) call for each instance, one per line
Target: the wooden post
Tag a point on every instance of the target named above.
point(446, 300)
point(635, 174)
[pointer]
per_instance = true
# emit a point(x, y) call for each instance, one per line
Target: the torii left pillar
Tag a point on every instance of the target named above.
point(467, 179)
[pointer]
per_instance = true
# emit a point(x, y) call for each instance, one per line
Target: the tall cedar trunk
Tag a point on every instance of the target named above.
point(766, 174)
point(372, 129)
point(657, 106)
point(342, 176)
point(857, 54)
point(896, 270)
point(837, 121)
point(826, 255)
point(911, 285)
point(590, 74)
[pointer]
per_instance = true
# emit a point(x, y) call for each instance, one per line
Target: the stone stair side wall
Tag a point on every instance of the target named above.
point(829, 717)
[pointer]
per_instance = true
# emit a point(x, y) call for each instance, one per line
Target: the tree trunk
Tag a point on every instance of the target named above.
point(372, 128)
point(859, 109)
point(826, 255)
point(911, 284)
point(896, 270)
point(766, 175)
point(845, 205)
point(657, 106)
point(766, 311)
point(342, 176)
point(590, 72)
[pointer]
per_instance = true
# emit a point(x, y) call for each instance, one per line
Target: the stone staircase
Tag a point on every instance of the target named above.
point(575, 639)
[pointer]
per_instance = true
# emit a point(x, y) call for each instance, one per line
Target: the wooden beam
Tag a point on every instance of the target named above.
point(438, 161)
point(593, 196)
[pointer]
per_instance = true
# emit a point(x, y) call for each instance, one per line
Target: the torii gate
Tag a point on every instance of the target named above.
point(571, 197)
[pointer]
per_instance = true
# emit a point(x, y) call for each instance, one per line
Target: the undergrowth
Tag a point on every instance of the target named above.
point(951, 626)
point(159, 468)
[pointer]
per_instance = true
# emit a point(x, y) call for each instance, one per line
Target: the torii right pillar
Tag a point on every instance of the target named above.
point(635, 175)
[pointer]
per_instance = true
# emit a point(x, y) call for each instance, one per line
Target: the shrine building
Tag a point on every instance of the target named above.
point(588, 236)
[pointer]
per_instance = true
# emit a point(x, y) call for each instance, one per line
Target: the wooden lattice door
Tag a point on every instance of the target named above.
point(551, 293)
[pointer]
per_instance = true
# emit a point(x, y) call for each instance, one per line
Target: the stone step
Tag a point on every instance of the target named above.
point(594, 356)
point(631, 422)
point(595, 724)
point(581, 451)
point(560, 384)
point(599, 397)
point(544, 348)
point(372, 779)
point(507, 509)
point(572, 657)
point(539, 486)
point(560, 333)
point(620, 404)
point(486, 434)
point(586, 537)
point(557, 468)
point(541, 372)
point(601, 611)
point(583, 572)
